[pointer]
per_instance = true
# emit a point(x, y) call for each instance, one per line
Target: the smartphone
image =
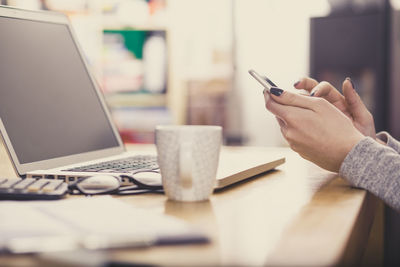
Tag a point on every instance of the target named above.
point(264, 81)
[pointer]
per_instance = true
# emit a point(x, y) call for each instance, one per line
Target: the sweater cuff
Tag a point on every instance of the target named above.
point(389, 140)
point(358, 160)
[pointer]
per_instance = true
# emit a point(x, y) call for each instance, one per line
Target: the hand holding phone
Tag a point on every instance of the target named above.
point(264, 81)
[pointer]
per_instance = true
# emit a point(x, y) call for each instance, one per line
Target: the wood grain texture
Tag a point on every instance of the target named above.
point(296, 215)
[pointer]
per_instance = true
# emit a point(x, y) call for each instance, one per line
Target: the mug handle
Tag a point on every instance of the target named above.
point(185, 164)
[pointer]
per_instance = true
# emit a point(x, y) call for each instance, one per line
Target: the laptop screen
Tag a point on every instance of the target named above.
point(48, 103)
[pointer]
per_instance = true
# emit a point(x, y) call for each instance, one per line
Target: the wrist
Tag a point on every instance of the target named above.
point(352, 142)
point(355, 140)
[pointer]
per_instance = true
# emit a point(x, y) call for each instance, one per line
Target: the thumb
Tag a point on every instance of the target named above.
point(356, 106)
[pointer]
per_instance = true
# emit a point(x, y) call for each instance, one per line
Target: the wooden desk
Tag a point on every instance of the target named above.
point(298, 214)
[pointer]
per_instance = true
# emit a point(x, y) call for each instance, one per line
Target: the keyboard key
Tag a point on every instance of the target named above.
point(121, 165)
point(24, 184)
point(52, 185)
point(9, 183)
point(37, 186)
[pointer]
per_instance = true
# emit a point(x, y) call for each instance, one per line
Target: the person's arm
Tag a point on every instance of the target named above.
point(321, 133)
point(376, 168)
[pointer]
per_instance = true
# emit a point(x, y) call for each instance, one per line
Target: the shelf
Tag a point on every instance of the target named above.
point(146, 28)
point(137, 124)
point(135, 60)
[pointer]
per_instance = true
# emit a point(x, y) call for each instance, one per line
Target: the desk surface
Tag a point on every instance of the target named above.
point(297, 214)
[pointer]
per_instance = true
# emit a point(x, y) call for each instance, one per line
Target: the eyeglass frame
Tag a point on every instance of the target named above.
point(137, 187)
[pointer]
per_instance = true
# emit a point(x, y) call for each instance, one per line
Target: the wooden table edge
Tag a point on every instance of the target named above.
point(340, 239)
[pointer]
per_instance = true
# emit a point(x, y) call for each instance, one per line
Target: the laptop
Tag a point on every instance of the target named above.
point(54, 120)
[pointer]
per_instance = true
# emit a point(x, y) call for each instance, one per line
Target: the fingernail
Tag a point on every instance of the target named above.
point(276, 91)
point(313, 92)
point(351, 81)
point(296, 83)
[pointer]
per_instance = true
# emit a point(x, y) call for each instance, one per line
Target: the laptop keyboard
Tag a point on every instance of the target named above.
point(125, 165)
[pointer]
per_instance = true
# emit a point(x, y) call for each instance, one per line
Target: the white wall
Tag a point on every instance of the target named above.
point(272, 38)
point(200, 27)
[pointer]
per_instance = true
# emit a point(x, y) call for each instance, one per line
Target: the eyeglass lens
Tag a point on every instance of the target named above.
point(99, 184)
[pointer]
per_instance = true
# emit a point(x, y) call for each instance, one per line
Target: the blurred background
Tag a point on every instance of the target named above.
point(186, 62)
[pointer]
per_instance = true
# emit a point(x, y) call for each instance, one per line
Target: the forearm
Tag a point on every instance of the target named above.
point(376, 168)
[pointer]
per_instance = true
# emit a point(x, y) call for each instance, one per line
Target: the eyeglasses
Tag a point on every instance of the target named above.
point(139, 182)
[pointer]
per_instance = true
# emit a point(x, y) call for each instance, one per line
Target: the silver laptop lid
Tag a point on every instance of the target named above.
point(51, 111)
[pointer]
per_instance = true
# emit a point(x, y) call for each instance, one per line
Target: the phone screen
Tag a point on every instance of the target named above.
point(264, 81)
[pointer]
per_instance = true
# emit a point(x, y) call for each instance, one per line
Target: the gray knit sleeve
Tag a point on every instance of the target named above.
point(376, 168)
point(389, 140)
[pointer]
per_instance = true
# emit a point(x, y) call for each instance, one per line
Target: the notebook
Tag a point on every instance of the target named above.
point(53, 117)
point(100, 222)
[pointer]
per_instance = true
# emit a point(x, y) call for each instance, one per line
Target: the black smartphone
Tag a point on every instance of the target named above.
point(264, 81)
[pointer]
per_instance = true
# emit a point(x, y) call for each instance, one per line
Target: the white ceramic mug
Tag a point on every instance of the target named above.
point(188, 158)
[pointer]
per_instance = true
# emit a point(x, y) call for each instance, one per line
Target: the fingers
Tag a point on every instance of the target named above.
point(282, 125)
point(280, 111)
point(350, 94)
point(306, 83)
point(326, 90)
point(289, 107)
point(281, 122)
point(322, 89)
point(353, 100)
point(287, 98)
